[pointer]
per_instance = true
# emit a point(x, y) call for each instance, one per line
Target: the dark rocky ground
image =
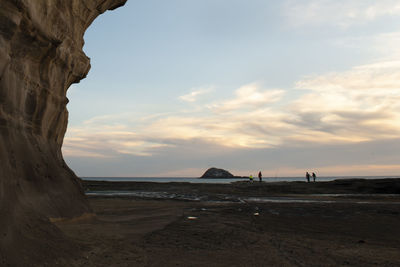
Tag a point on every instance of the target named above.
point(132, 232)
point(355, 230)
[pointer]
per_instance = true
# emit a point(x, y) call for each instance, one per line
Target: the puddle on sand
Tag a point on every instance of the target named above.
point(233, 199)
point(145, 194)
point(284, 200)
point(354, 195)
point(303, 199)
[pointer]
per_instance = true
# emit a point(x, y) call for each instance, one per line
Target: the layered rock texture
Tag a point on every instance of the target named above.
point(40, 57)
point(217, 173)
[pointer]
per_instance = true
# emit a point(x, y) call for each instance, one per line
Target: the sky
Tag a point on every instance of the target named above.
point(285, 87)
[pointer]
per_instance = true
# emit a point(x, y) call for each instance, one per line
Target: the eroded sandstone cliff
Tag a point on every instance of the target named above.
point(40, 57)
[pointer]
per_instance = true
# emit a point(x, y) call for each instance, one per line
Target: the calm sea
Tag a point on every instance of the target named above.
point(224, 181)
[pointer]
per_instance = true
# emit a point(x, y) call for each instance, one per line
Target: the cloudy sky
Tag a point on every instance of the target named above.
point(284, 86)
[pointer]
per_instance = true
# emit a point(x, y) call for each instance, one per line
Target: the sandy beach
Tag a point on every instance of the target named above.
point(305, 230)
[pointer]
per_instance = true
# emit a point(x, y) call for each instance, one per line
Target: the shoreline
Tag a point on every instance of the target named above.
point(245, 188)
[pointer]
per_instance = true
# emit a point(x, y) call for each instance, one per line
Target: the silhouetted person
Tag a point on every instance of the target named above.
point(308, 177)
point(314, 176)
point(260, 176)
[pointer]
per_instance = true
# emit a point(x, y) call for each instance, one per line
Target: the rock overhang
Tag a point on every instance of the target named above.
point(40, 57)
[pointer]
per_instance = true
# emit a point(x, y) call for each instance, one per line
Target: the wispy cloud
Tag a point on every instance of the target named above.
point(322, 112)
point(196, 93)
point(107, 136)
point(357, 105)
point(329, 95)
point(339, 13)
point(361, 104)
point(102, 140)
point(251, 96)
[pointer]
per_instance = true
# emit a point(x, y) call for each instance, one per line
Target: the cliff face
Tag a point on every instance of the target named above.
point(40, 57)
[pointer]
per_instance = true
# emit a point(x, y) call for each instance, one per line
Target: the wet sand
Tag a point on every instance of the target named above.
point(132, 231)
point(348, 186)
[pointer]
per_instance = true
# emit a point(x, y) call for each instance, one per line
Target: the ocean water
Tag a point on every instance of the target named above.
point(224, 181)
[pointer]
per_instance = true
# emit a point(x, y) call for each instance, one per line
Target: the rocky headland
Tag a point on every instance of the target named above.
point(40, 57)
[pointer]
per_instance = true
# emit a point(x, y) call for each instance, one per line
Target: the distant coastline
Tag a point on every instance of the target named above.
point(245, 188)
point(225, 180)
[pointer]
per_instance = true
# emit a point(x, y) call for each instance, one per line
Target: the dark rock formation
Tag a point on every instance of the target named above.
point(40, 57)
point(217, 173)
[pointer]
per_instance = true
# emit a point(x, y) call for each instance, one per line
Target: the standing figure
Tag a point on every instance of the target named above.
point(314, 176)
point(308, 177)
point(251, 178)
point(260, 176)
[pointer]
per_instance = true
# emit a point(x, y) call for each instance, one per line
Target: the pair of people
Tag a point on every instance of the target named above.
point(259, 177)
point(314, 177)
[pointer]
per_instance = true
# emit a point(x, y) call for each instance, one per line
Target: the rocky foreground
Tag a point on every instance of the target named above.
point(347, 223)
point(349, 230)
point(360, 229)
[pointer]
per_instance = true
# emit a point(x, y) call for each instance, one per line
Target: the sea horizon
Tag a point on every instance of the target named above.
point(227, 180)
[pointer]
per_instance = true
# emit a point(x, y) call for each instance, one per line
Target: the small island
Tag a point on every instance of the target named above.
point(215, 173)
